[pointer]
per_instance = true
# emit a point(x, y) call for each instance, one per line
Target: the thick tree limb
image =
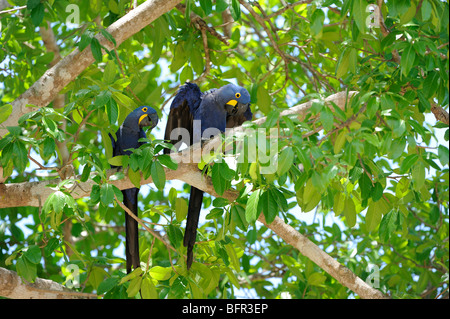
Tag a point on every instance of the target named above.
point(440, 114)
point(13, 287)
point(44, 90)
point(29, 193)
point(341, 273)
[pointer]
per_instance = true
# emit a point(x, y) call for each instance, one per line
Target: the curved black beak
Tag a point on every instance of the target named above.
point(150, 120)
point(234, 107)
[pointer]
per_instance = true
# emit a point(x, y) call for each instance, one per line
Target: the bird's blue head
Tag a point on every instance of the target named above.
point(234, 98)
point(143, 116)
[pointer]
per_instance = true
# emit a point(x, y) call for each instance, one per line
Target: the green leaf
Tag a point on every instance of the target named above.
point(340, 141)
point(317, 19)
point(407, 60)
point(233, 257)
point(49, 147)
point(106, 194)
point(430, 84)
point(263, 99)
point(220, 202)
point(251, 211)
point(145, 159)
point(365, 184)
point(377, 192)
point(118, 193)
point(134, 287)
point(187, 74)
point(110, 72)
point(158, 175)
point(206, 6)
point(58, 200)
point(96, 50)
point(221, 5)
point(179, 58)
point(317, 279)
point(181, 209)
point(95, 194)
point(349, 212)
point(409, 14)
point(235, 10)
point(106, 143)
point(418, 175)
point(197, 61)
point(160, 273)
point(187, 13)
point(269, 205)
point(85, 40)
point(31, 4)
point(408, 162)
point(20, 158)
point(359, 14)
point(113, 7)
point(37, 14)
point(226, 172)
point(107, 285)
point(327, 119)
point(374, 213)
point(311, 197)
point(52, 244)
point(285, 161)
point(148, 289)
point(33, 254)
point(175, 236)
point(96, 276)
point(26, 269)
point(388, 225)
point(238, 217)
point(426, 10)
point(280, 198)
point(116, 160)
point(112, 111)
point(218, 181)
point(167, 161)
point(108, 36)
point(343, 63)
point(124, 100)
point(135, 177)
point(424, 103)
point(5, 112)
point(443, 154)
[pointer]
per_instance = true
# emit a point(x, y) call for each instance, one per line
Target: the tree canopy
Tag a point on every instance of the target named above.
point(347, 196)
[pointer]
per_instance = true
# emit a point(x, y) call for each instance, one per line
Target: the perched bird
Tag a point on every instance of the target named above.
point(216, 109)
point(127, 138)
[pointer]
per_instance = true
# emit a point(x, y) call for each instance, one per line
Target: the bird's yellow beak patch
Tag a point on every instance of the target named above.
point(232, 102)
point(142, 117)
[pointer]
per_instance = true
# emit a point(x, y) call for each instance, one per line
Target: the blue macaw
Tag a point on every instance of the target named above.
point(226, 107)
point(128, 136)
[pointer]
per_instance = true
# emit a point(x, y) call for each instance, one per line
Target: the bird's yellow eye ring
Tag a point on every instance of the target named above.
point(144, 109)
point(237, 95)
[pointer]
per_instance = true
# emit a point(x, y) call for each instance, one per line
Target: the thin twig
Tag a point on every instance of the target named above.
point(140, 222)
point(12, 10)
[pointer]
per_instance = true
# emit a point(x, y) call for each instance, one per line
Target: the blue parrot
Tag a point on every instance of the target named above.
point(216, 109)
point(128, 136)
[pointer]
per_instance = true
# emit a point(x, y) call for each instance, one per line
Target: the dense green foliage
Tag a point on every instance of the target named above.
point(371, 181)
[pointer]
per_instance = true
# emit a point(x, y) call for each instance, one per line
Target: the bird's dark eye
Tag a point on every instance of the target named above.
point(237, 95)
point(144, 109)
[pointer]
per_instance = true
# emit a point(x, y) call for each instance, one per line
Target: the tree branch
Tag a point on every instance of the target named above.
point(440, 114)
point(12, 286)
